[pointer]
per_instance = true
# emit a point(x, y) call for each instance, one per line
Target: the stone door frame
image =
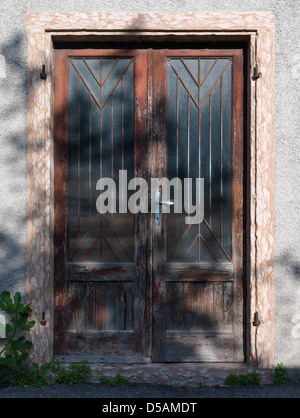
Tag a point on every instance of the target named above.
point(257, 29)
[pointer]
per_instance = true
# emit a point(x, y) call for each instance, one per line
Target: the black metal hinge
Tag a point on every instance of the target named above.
point(43, 320)
point(43, 74)
point(256, 321)
point(256, 73)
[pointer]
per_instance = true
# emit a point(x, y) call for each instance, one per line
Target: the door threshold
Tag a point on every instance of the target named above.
point(141, 370)
point(105, 359)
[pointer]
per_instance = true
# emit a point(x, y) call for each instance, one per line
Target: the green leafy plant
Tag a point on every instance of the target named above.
point(280, 374)
point(52, 372)
point(74, 373)
point(114, 381)
point(201, 385)
point(37, 375)
point(14, 353)
point(252, 378)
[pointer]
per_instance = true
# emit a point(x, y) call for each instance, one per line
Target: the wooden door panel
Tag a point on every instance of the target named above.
point(199, 145)
point(101, 142)
point(100, 126)
point(198, 271)
point(199, 305)
point(199, 321)
point(100, 306)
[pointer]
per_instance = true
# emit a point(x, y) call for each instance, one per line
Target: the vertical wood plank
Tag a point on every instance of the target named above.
point(100, 304)
point(237, 202)
point(129, 292)
point(77, 305)
point(197, 306)
point(60, 199)
point(81, 303)
point(218, 306)
point(90, 306)
point(228, 299)
point(121, 306)
point(169, 306)
point(71, 306)
point(150, 224)
point(141, 219)
point(110, 306)
point(158, 170)
point(208, 307)
point(188, 306)
point(178, 305)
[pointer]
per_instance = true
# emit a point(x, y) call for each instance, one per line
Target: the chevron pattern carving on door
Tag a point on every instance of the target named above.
point(101, 143)
point(199, 145)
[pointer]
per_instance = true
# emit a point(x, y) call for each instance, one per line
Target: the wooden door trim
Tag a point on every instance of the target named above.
point(238, 206)
point(257, 30)
point(158, 153)
point(61, 159)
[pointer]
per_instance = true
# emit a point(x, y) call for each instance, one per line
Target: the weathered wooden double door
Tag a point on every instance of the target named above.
point(128, 288)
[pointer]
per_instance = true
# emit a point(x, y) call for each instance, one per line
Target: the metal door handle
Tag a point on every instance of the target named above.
point(166, 202)
point(157, 208)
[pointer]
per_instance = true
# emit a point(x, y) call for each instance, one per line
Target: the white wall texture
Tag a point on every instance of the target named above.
point(13, 138)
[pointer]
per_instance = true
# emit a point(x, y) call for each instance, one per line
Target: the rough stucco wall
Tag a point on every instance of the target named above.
point(13, 137)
